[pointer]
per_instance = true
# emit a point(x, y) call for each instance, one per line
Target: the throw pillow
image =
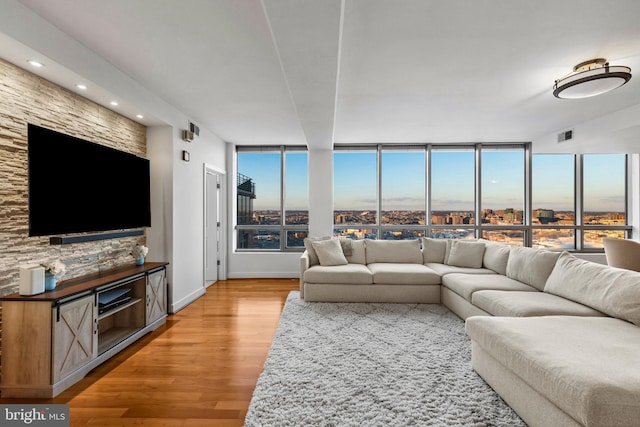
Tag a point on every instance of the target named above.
point(496, 256)
point(313, 257)
point(434, 250)
point(531, 266)
point(466, 254)
point(347, 247)
point(358, 255)
point(329, 252)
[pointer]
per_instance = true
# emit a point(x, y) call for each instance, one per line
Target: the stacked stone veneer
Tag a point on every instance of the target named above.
point(26, 98)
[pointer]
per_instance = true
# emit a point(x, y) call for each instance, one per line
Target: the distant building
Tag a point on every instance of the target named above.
point(246, 195)
point(546, 216)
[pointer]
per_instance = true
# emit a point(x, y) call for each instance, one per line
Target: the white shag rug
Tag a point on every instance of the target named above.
point(357, 364)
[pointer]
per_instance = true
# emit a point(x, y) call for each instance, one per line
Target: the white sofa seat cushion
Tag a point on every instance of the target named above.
point(348, 273)
point(587, 366)
point(403, 274)
point(613, 291)
point(403, 251)
point(525, 304)
point(466, 284)
point(443, 269)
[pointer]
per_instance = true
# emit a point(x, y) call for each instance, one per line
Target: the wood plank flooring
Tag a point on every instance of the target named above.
point(200, 369)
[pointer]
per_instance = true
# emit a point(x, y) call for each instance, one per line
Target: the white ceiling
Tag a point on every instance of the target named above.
point(319, 72)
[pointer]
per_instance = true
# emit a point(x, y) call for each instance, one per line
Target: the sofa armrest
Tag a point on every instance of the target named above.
point(304, 266)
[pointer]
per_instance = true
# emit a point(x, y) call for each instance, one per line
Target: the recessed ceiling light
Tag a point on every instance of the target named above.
point(35, 63)
point(114, 103)
point(140, 116)
point(81, 86)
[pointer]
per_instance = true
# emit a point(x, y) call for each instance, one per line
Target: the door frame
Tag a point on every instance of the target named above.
point(222, 208)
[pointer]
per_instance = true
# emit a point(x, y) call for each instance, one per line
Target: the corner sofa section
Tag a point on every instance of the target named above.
point(560, 370)
point(557, 337)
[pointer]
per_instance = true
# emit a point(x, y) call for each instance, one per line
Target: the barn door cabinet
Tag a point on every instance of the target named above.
point(52, 340)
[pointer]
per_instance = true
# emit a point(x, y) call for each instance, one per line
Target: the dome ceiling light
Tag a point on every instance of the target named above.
point(591, 78)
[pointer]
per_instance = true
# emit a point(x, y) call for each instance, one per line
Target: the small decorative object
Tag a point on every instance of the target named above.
point(52, 271)
point(139, 252)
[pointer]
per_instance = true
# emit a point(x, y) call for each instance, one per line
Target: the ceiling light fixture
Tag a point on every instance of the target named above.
point(35, 63)
point(140, 116)
point(591, 78)
point(114, 103)
point(81, 86)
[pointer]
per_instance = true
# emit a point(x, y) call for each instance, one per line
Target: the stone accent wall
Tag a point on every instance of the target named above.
point(27, 98)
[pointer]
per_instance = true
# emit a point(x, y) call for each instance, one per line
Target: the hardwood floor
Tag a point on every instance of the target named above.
point(200, 369)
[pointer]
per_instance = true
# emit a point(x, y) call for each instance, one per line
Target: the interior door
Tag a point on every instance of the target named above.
point(212, 227)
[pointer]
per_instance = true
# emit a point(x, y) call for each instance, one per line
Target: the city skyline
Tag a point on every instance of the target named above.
point(452, 180)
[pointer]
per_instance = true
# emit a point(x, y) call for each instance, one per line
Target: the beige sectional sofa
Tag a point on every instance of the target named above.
point(556, 336)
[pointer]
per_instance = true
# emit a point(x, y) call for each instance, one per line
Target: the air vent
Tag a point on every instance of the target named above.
point(195, 129)
point(565, 136)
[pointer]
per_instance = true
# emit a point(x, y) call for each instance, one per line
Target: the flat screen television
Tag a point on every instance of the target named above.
point(78, 186)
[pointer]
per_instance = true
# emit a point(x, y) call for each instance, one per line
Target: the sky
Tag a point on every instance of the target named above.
point(452, 180)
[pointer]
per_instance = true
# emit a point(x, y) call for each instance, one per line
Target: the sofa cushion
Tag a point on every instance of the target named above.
point(613, 291)
point(433, 250)
point(587, 366)
point(466, 284)
point(348, 273)
point(525, 304)
point(466, 254)
point(443, 269)
point(404, 251)
point(531, 266)
point(313, 257)
point(403, 274)
point(496, 256)
point(357, 255)
point(329, 252)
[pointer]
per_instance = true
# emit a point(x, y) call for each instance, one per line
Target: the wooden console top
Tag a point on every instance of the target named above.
point(67, 288)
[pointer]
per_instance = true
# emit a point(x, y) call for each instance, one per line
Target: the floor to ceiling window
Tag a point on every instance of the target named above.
point(355, 193)
point(503, 194)
point(604, 196)
point(402, 198)
point(272, 198)
point(496, 191)
point(453, 193)
point(553, 201)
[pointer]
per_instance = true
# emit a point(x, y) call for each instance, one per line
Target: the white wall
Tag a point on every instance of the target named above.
point(188, 212)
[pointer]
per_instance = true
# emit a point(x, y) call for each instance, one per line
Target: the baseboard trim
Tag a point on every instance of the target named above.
point(182, 303)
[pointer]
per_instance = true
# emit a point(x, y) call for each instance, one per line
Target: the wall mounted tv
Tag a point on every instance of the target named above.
point(77, 186)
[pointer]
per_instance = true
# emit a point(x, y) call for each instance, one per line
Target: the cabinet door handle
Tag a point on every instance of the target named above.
point(96, 325)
